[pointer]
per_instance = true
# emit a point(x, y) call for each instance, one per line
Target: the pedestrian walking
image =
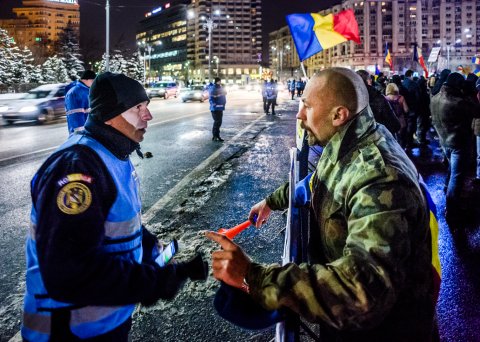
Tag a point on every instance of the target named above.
point(217, 100)
point(77, 104)
point(369, 276)
point(400, 107)
point(452, 115)
point(89, 257)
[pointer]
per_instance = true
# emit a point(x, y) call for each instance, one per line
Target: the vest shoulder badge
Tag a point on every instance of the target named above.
point(74, 198)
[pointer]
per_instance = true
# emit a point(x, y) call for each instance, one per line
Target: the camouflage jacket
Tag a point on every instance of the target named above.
point(369, 274)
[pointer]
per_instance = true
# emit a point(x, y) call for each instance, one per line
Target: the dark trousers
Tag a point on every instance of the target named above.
point(265, 104)
point(271, 102)
point(423, 125)
point(292, 92)
point(217, 116)
point(411, 129)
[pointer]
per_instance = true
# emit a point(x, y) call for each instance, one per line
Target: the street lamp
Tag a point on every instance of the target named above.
point(210, 25)
point(146, 47)
point(217, 61)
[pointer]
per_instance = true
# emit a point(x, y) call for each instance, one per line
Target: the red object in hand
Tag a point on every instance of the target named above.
point(234, 231)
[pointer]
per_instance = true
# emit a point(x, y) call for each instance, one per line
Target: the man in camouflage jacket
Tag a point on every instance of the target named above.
point(369, 275)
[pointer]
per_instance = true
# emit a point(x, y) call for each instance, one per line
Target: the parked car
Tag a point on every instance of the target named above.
point(42, 104)
point(162, 89)
point(194, 93)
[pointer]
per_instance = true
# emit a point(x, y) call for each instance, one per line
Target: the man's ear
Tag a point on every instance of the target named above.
point(340, 116)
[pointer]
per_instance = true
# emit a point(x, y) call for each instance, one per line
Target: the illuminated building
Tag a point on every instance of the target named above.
point(162, 40)
point(236, 39)
point(451, 25)
point(39, 23)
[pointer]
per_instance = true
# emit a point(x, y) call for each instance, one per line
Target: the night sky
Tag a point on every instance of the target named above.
point(125, 14)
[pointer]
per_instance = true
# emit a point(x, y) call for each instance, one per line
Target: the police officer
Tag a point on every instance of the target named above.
point(89, 258)
point(77, 104)
point(291, 88)
point(369, 275)
point(217, 100)
point(271, 95)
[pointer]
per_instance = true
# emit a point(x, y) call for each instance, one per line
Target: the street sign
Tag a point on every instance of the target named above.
point(434, 55)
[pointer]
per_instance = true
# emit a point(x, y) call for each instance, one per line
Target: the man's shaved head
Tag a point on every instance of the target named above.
point(330, 100)
point(343, 87)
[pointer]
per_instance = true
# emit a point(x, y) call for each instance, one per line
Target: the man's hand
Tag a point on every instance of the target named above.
point(262, 211)
point(230, 264)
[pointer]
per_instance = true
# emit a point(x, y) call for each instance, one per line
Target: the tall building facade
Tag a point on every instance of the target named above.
point(38, 23)
point(453, 26)
point(236, 39)
point(162, 41)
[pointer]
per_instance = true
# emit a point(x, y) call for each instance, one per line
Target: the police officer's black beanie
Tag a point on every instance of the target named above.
point(88, 75)
point(112, 94)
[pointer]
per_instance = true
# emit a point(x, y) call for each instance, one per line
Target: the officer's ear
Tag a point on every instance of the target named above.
point(340, 116)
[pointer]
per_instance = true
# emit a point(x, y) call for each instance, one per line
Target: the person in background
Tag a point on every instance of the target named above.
point(440, 80)
point(291, 88)
point(217, 99)
point(264, 96)
point(400, 107)
point(89, 258)
point(77, 104)
point(382, 111)
point(369, 276)
point(271, 95)
point(423, 112)
point(412, 97)
point(452, 115)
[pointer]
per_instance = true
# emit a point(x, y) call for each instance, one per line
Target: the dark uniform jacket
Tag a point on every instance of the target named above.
point(369, 275)
point(452, 115)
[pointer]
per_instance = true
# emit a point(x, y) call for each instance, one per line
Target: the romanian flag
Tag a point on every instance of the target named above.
point(377, 70)
point(313, 33)
point(437, 272)
point(476, 61)
point(388, 57)
point(418, 57)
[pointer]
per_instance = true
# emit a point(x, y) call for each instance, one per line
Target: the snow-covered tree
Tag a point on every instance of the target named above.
point(54, 71)
point(68, 50)
point(7, 60)
point(32, 71)
point(118, 63)
point(135, 67)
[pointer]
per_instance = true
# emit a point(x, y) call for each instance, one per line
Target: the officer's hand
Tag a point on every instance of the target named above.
point(262, 211)
point(195, 268)
point(230, 264)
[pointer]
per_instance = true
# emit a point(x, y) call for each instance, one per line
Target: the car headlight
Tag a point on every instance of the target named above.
point(27, 109)
point(3, 109)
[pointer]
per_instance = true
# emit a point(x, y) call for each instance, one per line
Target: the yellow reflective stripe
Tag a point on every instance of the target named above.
point(76, 110)
point(37, 322)
point(91, 314)
point(116, 229)
point(434, 234)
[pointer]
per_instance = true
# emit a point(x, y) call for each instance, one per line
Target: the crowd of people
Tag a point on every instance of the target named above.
point(444, 107)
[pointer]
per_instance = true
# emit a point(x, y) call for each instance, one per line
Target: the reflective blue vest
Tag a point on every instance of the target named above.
point(123, 237)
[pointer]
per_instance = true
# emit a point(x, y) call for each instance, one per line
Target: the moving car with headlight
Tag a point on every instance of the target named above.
point(195, 93)
point(162, 89)
point(42, 104)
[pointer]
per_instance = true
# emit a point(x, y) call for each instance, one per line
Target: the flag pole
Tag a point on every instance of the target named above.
point(303, 70)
